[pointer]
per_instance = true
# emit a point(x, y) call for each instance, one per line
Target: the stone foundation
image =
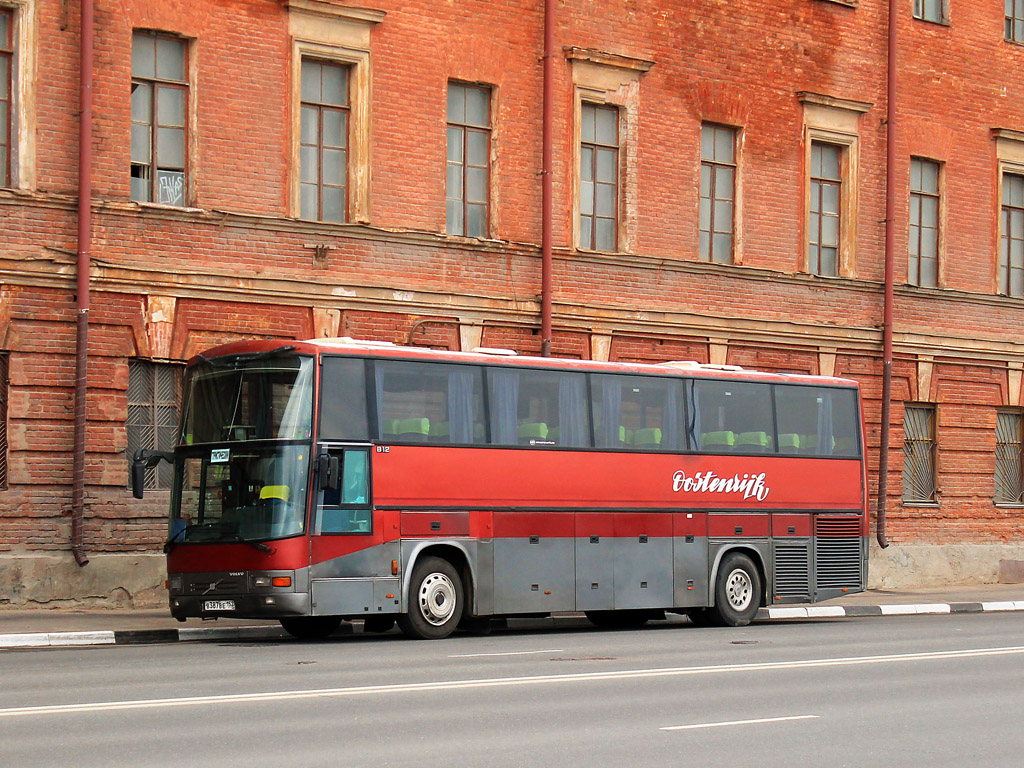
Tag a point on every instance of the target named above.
point(114, 581)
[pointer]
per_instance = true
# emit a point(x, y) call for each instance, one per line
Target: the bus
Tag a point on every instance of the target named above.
point(334, 480)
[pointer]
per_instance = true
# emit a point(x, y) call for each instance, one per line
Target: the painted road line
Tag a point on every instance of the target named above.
point(506, 653)
point(500, 682)
point(697, 726)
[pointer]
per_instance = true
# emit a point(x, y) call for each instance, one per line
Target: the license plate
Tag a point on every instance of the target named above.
point(218, 605)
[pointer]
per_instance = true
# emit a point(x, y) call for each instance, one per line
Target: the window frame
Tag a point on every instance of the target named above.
point(930, 441)
point(816, 194)
point(914, 261)
point(1013, 17)
point(323, 108)
point(596, 147)
point(1005, 266)
point(5, 396)
point(152, 371)
point(715, 168)
point(920, 9)
point(7, 91)
point(1001, 458)
point(156, 85)
point(465, 129)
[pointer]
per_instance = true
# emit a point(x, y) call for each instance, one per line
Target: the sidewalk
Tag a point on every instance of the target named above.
point(35, 628)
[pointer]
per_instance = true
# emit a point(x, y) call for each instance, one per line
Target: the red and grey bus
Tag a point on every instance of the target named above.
point(332, 479)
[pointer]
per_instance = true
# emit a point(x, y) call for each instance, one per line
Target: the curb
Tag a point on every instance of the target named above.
point(199, 634)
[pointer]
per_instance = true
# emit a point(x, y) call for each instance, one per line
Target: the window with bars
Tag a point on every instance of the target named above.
point(1015, 21)
point(825, 219)
point(324, 141)
point(159, 117)
point(919, 454)
point(1011, 254)
point(6, 95)
point(717, 192)
point(469, 148)
point(154, 398)
point(599, 177)
point(4, 393)
point(930, 10)
point(924, 223)
point(1009, 488)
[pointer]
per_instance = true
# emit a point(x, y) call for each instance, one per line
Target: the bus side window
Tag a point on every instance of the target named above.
point(731, 417)
point(346, 509)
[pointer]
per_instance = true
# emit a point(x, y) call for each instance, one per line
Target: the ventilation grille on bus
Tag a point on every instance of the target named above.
point(838, 552)
point(792, 575)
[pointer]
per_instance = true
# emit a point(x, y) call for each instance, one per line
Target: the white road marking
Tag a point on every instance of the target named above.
point(497, 682)
point(507, 653)
point(738, 722)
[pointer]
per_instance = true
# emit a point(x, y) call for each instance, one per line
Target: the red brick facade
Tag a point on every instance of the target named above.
point(168, 282)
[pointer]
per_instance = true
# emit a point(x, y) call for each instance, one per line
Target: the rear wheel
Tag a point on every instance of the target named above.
point(737, 591)
point(435, 600)
point(310, 627)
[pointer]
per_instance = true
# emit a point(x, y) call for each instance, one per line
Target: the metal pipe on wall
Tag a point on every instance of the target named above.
point(82, 293)
point(547, 150)
point(890, 257)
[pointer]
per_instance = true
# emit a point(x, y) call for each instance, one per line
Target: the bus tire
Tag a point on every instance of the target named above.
point(737, 591)
point(310, 627)
point(435, 600)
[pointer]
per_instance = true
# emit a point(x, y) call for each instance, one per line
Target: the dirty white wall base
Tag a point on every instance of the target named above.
point(125, 581)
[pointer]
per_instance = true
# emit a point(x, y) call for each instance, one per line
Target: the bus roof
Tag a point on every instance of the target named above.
point(499, 357)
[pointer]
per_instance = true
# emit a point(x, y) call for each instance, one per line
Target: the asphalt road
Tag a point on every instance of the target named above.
point(907, 691)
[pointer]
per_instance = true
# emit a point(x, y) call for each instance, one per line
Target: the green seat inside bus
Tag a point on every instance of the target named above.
point(535, 430)
point(789, 443)
point(389, 428)
point(722, 439)
point(753, 441)
point(414, 429)
point(647, 437)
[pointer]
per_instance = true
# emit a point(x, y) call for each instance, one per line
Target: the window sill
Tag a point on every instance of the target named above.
point(847, 3)
point(943, 23)
point(922, 504)
point(1008, 505)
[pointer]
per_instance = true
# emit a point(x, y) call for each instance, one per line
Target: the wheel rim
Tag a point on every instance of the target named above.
point(437, 599)
point(739, 590)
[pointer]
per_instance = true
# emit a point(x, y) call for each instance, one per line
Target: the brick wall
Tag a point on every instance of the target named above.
point(170, 282)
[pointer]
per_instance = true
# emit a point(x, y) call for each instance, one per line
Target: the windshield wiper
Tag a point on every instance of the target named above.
point(174, 540)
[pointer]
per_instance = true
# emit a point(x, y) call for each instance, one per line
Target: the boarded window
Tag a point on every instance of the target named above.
point(919, 454)
point(469, 148)
point(159, 110)
point(154, 397)
point(717, 192)
point(1009, 488)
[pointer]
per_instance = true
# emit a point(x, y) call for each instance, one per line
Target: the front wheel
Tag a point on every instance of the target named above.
point(737, 591)
point(435, 600)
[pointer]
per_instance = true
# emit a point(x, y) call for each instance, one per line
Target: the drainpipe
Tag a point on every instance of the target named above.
point(546, 175)
point(890, 258)
point(82, 295)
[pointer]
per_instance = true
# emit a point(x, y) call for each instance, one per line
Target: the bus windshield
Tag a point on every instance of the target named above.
point(240, 493)
point(248, 399)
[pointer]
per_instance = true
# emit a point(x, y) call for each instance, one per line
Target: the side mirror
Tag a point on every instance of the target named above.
point(328, 469)
point(138, 477)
